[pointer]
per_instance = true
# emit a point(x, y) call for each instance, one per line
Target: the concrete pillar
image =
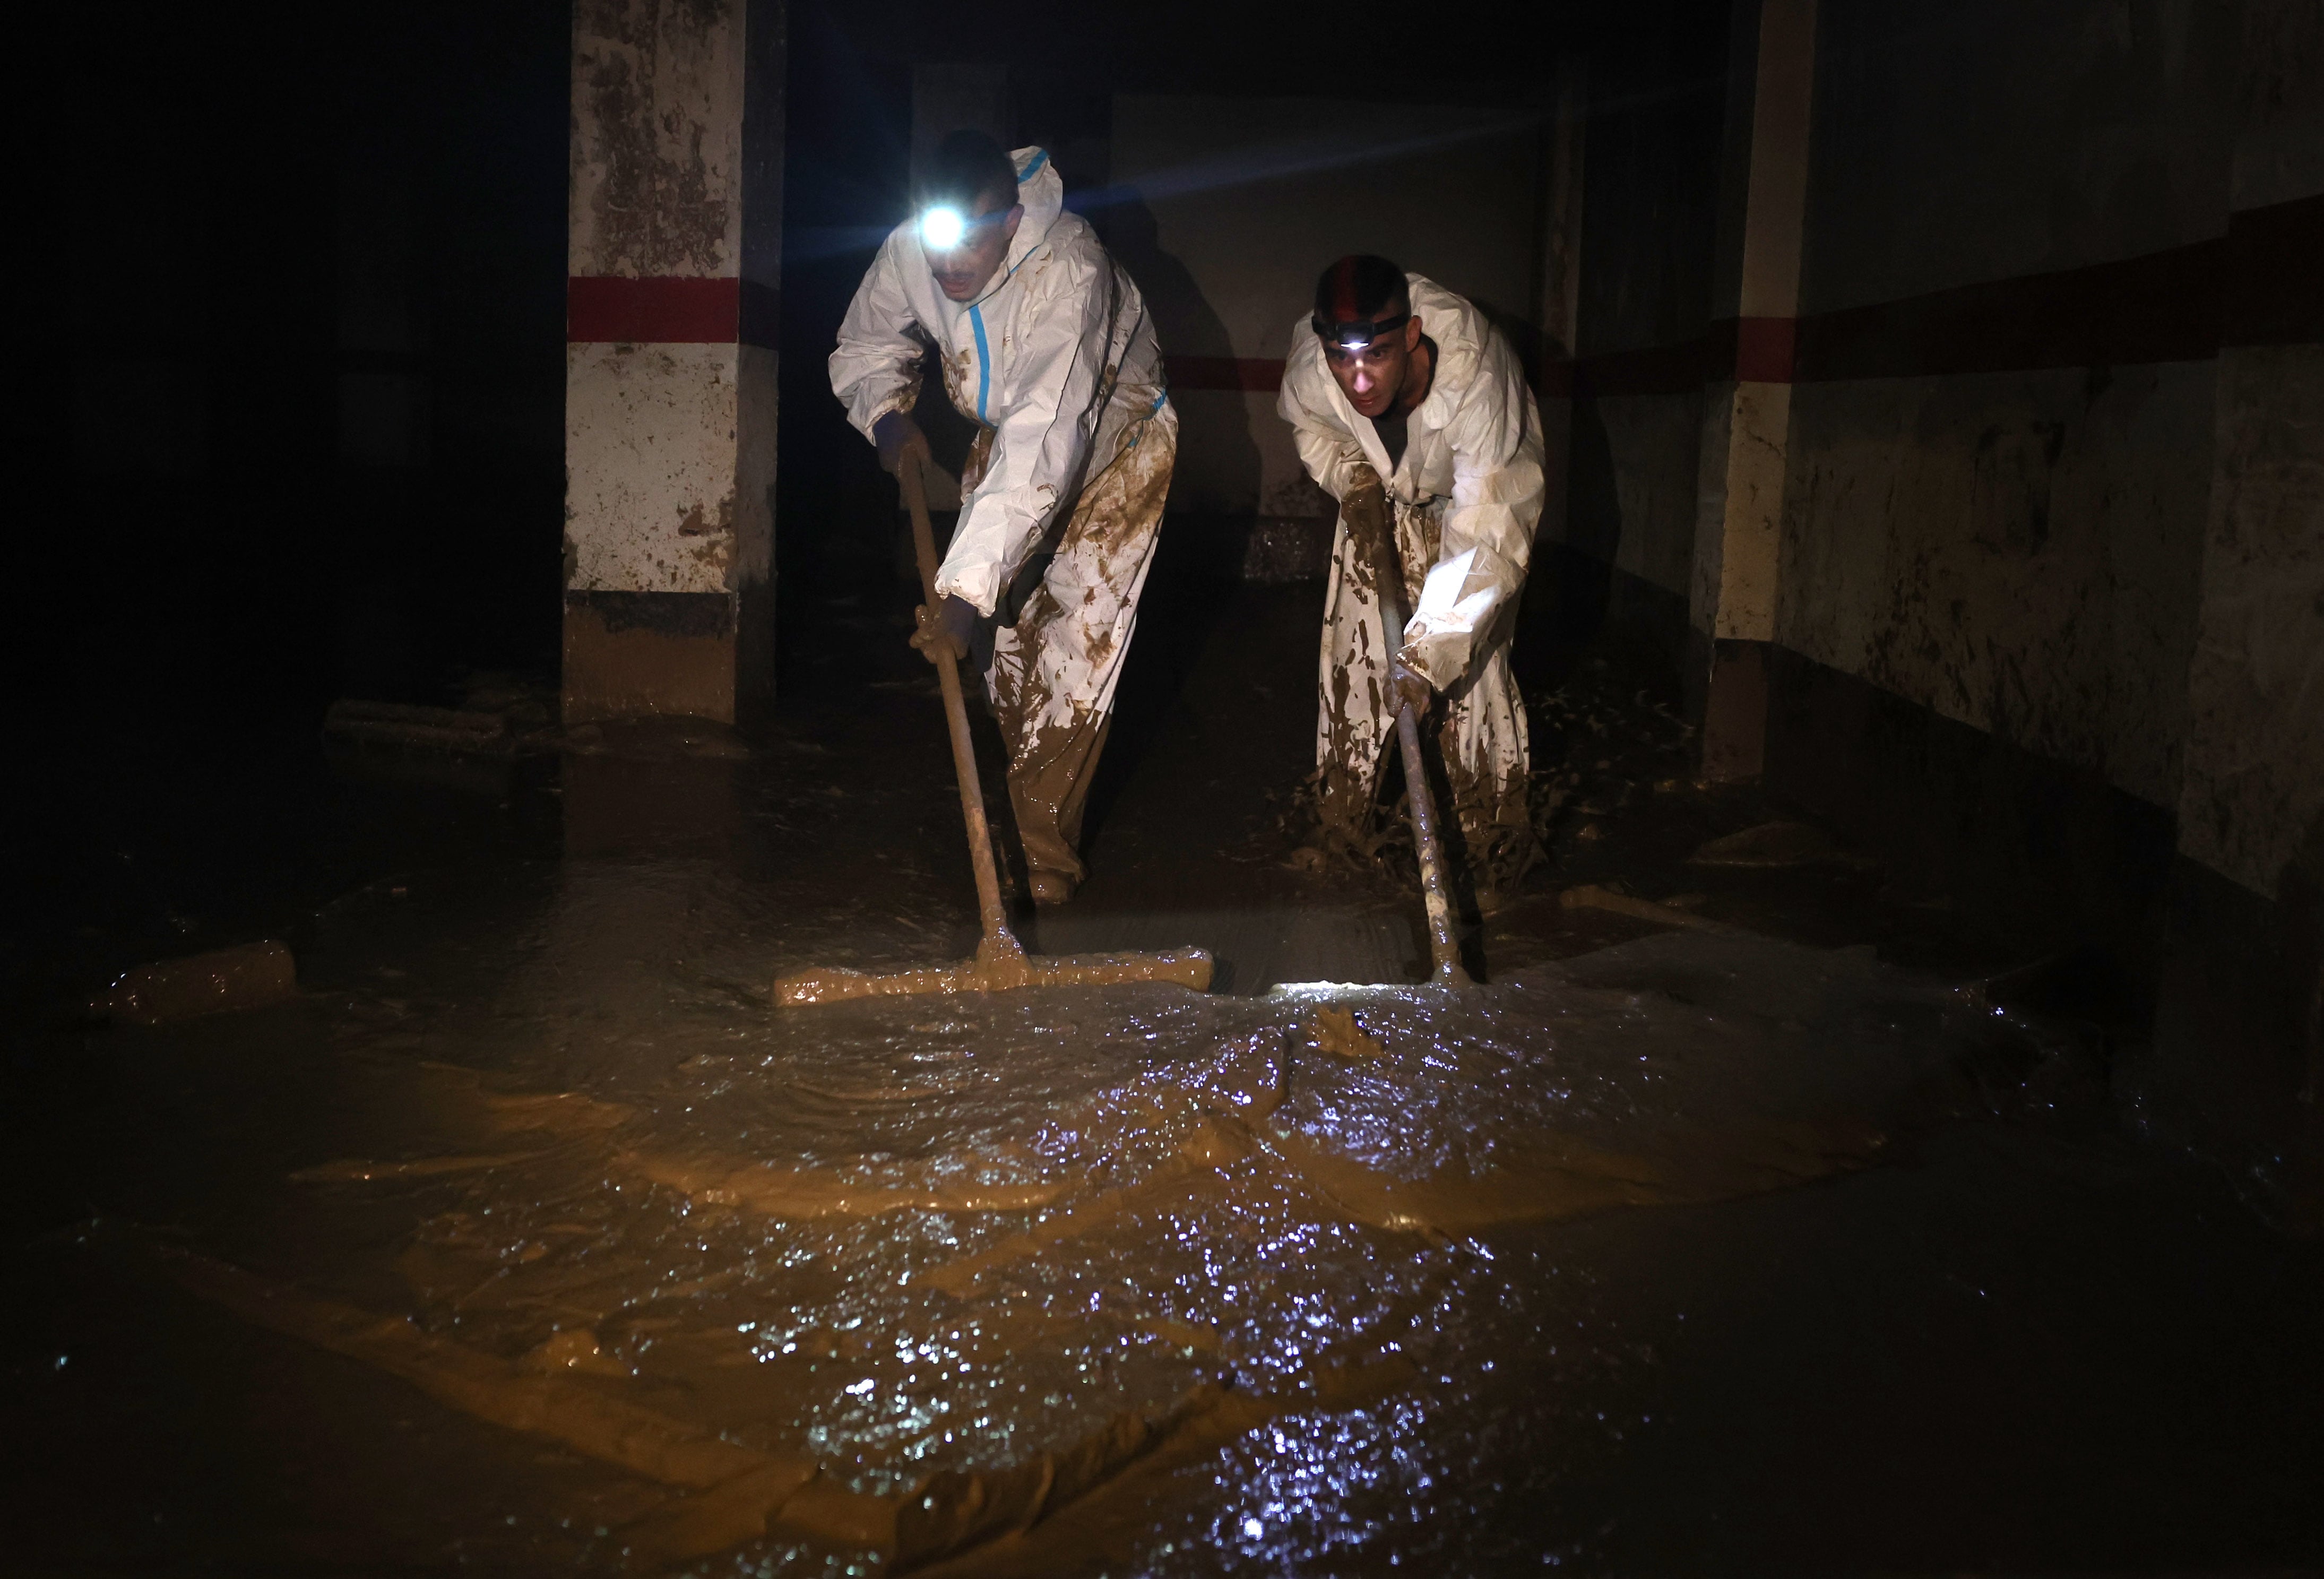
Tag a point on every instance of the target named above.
point(1746, 425)
point(675, 256)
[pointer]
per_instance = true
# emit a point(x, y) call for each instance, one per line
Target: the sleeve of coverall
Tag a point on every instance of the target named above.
point(1496, 494)
point(1049, 415)
point(1327, 450)
point(876, 368)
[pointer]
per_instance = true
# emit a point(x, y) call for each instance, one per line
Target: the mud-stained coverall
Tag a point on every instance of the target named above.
point(1466, 497)
point(1058, 365)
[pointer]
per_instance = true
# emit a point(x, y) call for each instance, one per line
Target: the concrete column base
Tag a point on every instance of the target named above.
point(1732, 708)
point(641, 654)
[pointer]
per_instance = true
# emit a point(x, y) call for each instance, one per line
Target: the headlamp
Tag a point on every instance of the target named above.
point(1355, 334)
point(942, 227)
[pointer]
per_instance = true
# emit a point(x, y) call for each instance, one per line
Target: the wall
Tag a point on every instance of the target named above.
point(2049, 585)
point(2012, 540)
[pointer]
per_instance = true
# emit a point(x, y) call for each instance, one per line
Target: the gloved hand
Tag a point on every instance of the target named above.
point(947, 628)
point(897, 435)
point(1412, 687)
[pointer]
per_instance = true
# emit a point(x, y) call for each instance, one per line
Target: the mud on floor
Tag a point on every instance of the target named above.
point(983, 1279)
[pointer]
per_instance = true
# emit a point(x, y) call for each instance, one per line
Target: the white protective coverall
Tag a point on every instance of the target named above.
point(1466, 497)
point(1057, 364)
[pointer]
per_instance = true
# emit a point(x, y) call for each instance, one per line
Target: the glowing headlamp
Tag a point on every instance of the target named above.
point(942, 228)
point(1355, 334)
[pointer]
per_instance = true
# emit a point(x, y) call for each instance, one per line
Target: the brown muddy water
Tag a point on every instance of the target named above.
point(527, 1236)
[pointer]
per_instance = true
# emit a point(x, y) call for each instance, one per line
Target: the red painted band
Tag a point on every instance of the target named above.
point(1765, 350)
point(1258, 373)
point(2255, 286)
point(653, 311)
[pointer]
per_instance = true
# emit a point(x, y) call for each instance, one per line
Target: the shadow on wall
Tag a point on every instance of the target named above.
point(1213, 424)
point(1570, 593)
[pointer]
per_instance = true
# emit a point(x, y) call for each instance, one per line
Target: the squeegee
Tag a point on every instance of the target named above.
point(1000, 963)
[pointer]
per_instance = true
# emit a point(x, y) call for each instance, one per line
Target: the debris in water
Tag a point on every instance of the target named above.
point(1771, 844)
point(439, 728)
point(223, 981)
point(797, 1193)
point(575, 1349)
point(1590, 896)
point(1336, 1032)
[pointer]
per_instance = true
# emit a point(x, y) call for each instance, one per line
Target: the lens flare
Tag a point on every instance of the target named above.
point(942, 228)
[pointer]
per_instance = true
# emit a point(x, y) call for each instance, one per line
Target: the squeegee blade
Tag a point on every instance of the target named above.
point(1188, 967)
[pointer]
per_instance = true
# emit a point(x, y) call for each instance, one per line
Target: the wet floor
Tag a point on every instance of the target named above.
point(1748, 1227)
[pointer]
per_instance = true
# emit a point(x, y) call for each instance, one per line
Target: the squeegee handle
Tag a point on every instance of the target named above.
point(1436, 891)
point(963, 750)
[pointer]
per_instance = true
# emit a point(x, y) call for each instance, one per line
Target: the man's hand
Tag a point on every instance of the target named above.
point(897, 435)
point(1412, 688)
point(945, 629)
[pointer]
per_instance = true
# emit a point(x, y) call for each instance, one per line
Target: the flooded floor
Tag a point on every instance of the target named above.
point(1747, 1218)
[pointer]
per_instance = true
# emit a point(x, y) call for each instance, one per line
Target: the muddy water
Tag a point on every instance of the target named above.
point(869, 1250)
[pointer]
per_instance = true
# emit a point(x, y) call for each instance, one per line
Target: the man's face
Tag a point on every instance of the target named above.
point(962, 271)
point(1371, 376)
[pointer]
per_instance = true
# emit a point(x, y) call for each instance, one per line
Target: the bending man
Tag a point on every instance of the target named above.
point(1046, 345)
point(1412, 411)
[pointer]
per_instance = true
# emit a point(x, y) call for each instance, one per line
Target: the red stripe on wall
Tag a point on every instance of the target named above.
point(1650, 370)
point(2255, 286)
point(1257, 374)
point(2162, 307)
point(2261, 284)
point(1765, 350)
point(663, 311)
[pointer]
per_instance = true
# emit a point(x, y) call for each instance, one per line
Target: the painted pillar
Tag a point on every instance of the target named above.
point(1746, 424)
point(674, 257)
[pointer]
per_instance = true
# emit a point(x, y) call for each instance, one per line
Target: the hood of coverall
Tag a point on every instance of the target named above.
point(1043, 193)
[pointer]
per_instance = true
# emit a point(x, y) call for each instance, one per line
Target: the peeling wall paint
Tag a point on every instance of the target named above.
point(657, 140)
point(650, 491)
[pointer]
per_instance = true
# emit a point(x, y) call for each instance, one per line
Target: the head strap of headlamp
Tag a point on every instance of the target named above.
point(1355, 333)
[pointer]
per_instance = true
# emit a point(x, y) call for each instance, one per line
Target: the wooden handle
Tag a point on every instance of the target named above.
point(1378, 545)
point(964, 750)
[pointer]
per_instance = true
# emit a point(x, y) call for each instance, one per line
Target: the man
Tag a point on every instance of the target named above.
point(1412, 411)
point(1046, 347)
